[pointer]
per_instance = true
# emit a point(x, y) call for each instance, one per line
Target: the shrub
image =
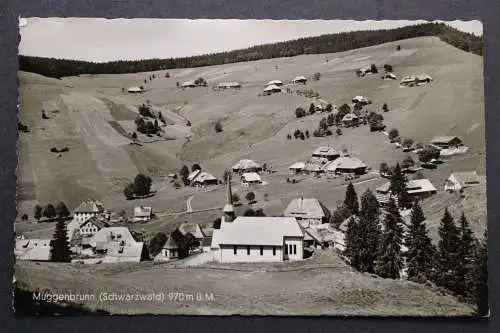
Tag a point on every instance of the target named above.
point(142, 185)
point(65, 149)
point(49, 211)
point(24, 217)
point(307, 134)
point(385, 108)
point(195, 167)
point(129, 191)
point(373, 69)
point(338, 131)
point(407, 162)
point(300, 112)
point(393, 135)
point(218, 127)
point(312, 108)
point(302, 136)
point(329, 107)
point(54, 150)
point(316, 76)
point(398, 48)
point(250, 197)
point(428, 153)
point(388, 68)
point(235, 198)
point(407, 143)
point(384, 169)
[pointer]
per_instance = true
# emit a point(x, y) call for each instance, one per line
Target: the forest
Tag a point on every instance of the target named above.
point(331, 43)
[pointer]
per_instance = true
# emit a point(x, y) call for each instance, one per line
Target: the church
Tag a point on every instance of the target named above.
point(255, 239)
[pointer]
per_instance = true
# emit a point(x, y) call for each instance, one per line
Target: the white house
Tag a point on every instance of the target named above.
point(272, 89)
point(169, 251)
point(297, 167)
point(251, 178)
point(346, 164)
point(229, 85)
point(360, 100)
point(460, 180)
point(142, 214)
point(188, 84)
point(299, 79)
point(246, 166)
point(87, 209)
point(135, 90)
point(32, 249)
point(258, 239)
point(92, 226)
point(417, 188)
point(444, 142)
point(116, 244)
point(307, 211)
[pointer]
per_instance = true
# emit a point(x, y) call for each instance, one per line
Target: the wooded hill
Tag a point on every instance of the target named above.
point(330, 43)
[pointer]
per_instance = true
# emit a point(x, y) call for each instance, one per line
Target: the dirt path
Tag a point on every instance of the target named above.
point(188, 204)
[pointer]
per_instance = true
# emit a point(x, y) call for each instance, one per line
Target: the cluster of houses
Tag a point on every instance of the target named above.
point(331, 162)
point(249, 172)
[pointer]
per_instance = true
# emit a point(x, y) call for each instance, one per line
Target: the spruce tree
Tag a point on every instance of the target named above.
point(421, 252)
point(390, 260)
point(59, 251)
point(369, 232)
point(481, 285)
point(351, 199)
point(398, 187)
point(466, 255)
point(448, 251)
point(352, 249)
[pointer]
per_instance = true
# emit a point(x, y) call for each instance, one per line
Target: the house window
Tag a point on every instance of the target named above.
point(248, 250)
point(261, 250)
point(286, 249)
point(290, 248)
point(274, 250)
point(235, 249)
point(294, 249)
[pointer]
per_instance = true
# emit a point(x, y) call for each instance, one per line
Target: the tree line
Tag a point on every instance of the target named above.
point(328, 43)
point(380, 242)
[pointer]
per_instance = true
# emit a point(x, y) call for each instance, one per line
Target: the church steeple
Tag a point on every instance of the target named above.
point(228, 209)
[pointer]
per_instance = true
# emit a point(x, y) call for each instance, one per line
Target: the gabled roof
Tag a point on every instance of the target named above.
point(250, 230)
point(193, 175)
point(328, 151)
point(413, 186)
point(251, 177)
point(345, 162)
point(246, 164)
point(443, 139)
point(110, 234)
point(192, 228)
point(97, 221)
point(188, 83)
point(134, 89)
point(349, 117)
point(171, 243)
point(466, 177)
point(299, 78)
point(297, 165)
point(274, 82)
point(305, 208)
point(204, 176)
point(90, 206)
point(272, 87)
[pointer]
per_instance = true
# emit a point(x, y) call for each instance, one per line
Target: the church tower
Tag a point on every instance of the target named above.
point(228, 210)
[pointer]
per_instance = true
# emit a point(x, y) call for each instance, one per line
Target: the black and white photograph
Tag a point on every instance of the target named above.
point(219, 167)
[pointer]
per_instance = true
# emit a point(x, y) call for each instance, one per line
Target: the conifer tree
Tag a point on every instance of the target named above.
point(59, 251)
point(352, 249)
point(398, 187)
point(448, 251)
point(481, 285)
point(421, 253)
point(369, 232)
point(466, 255)
point(390, 260)
point(351, 199)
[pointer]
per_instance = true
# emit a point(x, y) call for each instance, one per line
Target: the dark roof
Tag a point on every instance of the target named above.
point(97, 221)
point(89, 206)
point(171, 244)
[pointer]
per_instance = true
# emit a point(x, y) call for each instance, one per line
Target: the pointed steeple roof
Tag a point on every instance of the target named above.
point(228, 207)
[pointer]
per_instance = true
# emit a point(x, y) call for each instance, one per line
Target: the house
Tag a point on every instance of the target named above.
point(460, 180)
point(389, 76)
point(229, 85)
point(346, 164)
point(170, 250)
point(32, 249)
point(116, 244)
point(87, 209)
point(192, 228)
point(258, 239)
point(277, 83)
point(272, 89)
point(204, 179)
point(307, 211)
point(246, 166)
point(135, 90)
point(251, 178)
point(188, 84)
point(297, 167)
point(423, 78)
point(364, 70)
point(416, 189)
point(360, 100)
point(313, 168)
point(350, 119)
point(142, 214)
point(326, 152)
point(408, 80)
point(446, 141)
point(90, 227)
point(299, 79)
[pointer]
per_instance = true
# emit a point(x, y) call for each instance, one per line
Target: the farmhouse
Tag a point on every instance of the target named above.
point(192, 228)
point(446, 141)
point(246, 166)
point(229, 85)
point(360, 100)
point(423, 78)
point(346, 164)
point(418, 188)
point(312, 167)
point(364, 70)
point(135, 90)
point(142, 214)
point(389, 76)
point(413, 80)
point(32, 249)
point(326, 152)
point(277, 83)
point(204, 179)
point(297, 167)
point(307, 211)
point(299, 79)
point(350, 119)
point(251, 178)
point(460, 180)
point(272, 89)
point(257, 239)
point(408, 80)
point(116, 244)
point(171, 249)
point(87, 209)
point(188, 84)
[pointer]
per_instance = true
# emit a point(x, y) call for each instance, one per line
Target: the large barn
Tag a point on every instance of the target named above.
point(307, 211)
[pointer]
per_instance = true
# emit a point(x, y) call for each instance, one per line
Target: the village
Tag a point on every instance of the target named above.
point(259, 166)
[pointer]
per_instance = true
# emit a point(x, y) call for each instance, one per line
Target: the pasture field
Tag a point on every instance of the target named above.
point(92, 116)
